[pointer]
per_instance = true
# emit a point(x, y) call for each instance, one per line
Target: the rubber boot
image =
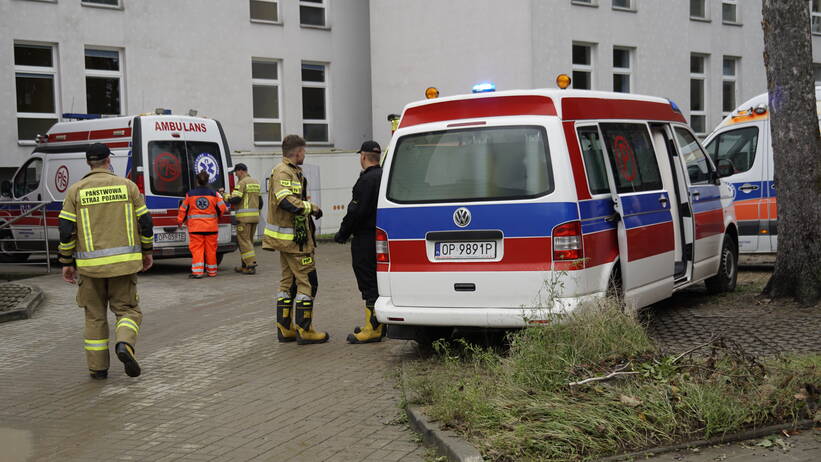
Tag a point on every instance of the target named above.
point(373, 330)
point(125, 353)
point(304, 315)
point(285, 322)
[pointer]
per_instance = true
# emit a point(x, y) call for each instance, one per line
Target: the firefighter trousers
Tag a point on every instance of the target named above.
point(96, 296)
point(245, 238)
point(299, 267)
point(203, 249)
point(363, 260)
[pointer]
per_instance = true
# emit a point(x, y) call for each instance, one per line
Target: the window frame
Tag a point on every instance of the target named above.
point(267, 83)
point(52, 72)
point(24, 171)
point(325, 85)
point(711, 169)
point(92, 4)
point(705, 7)
point(589, 68)
point(323, 5)
point(603, 160)
point(588, 3)
point(816, 70)
point(610, 159)
point(717, 139)
point(729, 78)
point(702, 77)
point(119, 75)
point(737, 20)
point(624, 71)
point(813, 15)
point(278, 4)
point(630, 8)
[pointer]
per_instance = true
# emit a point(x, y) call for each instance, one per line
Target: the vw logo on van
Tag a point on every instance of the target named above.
point(461, 217)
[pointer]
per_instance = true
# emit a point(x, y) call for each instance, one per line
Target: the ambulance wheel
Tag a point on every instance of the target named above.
point(7, 249)
point(220, 256)
point(426, 336)
point(725, 280)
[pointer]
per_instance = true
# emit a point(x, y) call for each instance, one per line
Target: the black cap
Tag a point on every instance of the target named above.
point(97, 151)
point(370, 146)
point(240, 166)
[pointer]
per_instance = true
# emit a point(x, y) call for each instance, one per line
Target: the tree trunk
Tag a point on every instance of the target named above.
point(797, 150)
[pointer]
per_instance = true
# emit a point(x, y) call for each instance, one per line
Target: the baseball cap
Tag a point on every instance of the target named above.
point(240, 166)
point(97, 151)
point(370, 146)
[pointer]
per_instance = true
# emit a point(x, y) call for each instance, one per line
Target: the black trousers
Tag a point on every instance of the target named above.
point(363, 260)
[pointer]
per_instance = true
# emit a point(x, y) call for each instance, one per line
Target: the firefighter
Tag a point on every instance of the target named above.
point(245, 198)
point(202, 207)
point(360, 220)
point(106, 236)
point(290, 229)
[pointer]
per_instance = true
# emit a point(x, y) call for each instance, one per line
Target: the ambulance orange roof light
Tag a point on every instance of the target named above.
point(431, 92)
point(563, 81)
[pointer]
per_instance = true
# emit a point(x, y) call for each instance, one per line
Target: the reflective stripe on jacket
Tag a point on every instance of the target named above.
point(248, 190)
point(201, 208)
point(287, 197)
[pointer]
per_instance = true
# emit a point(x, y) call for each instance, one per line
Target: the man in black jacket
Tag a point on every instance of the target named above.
point(361, 222)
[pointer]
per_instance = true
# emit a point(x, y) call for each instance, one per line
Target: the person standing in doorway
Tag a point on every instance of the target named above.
point(245, 198)
point(202, 208)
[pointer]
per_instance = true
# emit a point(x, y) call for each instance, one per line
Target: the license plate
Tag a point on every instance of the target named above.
point(464, 250)
point(169, 237)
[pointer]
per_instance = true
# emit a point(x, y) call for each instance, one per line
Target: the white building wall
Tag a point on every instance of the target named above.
point(185, 54)
point(527, 43)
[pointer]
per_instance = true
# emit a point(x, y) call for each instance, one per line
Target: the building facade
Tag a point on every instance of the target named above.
point(264, 68)
point(705, 55)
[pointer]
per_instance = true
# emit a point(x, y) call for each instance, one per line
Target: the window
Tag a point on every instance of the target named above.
point(175, 164)
point(738, 147)
point(632, 158)
point(729, 11)
point(312, 13)
point(623, 5)
point(28, 177)
point(105, 3)
point(698, 168)
point(506, 163)
point(728, 84)
point(815, 12)
point(315, 103)
point(266, 101)
point(816, 69)
point(584, 2)
point(35, 76)
point(622, 58)
point(582, 66)
point(698, 75)
point(103, 81)
point(265, 10)
point(698, 9)
point(593, 155)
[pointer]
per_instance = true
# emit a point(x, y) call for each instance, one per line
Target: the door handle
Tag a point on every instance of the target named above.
point(663, 201)
point(748, 187)
point(696, 195)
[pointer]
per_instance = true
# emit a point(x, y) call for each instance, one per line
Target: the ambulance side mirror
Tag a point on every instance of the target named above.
point(5, 188)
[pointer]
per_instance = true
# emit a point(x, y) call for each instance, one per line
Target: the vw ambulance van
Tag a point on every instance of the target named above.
point(161, 153)
point(497, 210)
point(743, 144)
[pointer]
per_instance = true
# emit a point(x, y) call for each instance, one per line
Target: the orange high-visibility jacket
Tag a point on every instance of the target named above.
point(202, 208)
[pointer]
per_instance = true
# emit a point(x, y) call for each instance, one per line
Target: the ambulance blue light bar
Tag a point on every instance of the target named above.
point(78, 116)
point(484, 87)
point(674, 106)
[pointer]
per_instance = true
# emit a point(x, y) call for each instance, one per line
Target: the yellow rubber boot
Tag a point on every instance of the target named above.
point(285, 322)
point(373, 330)
point(304, 315)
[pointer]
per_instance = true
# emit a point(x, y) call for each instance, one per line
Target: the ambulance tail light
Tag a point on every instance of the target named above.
point(567, 241)
point(382, 254)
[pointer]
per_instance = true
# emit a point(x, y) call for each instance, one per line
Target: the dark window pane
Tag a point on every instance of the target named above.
point(816, 69)
point(581, 80)
point(313, 73)
point(621, 58)
point(264, 11)
point(103, 2)
point(696, 95)
point(311, 16)
point(102, 95)
point(264, 70)
point(168, 168)
point(697, 9)
point(736, 146)
point(315, 132)
point(698, 168)
point(204, 156)
point(104, 60)
point(581, 55)
point(816, 24)
point(727, 96)
point(698, 123)
point(33, 55)
point(729, 67)
point(266, 102)
point(267, 132)
point(313, 103)
point(28, 177)
point(728, 12)
point(621, 3)
point(28, 129)
point(593, 160)
point(313, 1)
point(696, 64)
point(621, 83)
point(35, 93)
point(632, 158)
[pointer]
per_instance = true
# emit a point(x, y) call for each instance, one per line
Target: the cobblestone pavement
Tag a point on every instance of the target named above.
point(11, 294)
point(801, 447)
point(216, 385)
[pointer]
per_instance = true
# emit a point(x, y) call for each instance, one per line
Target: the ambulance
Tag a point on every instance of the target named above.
point(502, 209)
point(742, 143)
point(161, 153)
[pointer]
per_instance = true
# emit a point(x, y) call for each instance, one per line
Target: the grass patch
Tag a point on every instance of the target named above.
point(520, 405)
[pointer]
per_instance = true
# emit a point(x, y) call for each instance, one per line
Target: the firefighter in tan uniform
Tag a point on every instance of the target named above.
point(106, 236)
point(247, 202)
point(290, 230)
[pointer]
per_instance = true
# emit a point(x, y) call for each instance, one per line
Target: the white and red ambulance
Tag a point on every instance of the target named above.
point(161, 153)
point(502, 209)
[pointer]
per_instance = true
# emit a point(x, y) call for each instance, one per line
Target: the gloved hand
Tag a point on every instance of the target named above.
point(339, 238)
point(316, 211)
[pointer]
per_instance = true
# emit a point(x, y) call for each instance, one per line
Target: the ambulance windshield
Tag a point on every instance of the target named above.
point(477, 164)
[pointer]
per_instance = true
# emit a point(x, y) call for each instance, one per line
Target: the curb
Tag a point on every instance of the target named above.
point(25, 309)
point(740, 436)
point(445, 442)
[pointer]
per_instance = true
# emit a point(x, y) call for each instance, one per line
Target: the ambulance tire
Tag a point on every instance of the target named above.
point(725, 280)
point(7, 249)
point(426, 336)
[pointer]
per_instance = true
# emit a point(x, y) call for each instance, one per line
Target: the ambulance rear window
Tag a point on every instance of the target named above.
point(476, 164)
point(174, 164)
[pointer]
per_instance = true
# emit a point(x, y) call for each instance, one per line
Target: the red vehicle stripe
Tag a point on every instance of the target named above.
point(599, 108)
point(110, 133)
point(123, 144)
point(600, 248)
point(647, 241)
point(499, 106)
point(68, 136)
point(576, 163)
point(709, 223)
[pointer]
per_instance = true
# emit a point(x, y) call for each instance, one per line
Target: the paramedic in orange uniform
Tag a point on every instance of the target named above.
point(202, 207)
